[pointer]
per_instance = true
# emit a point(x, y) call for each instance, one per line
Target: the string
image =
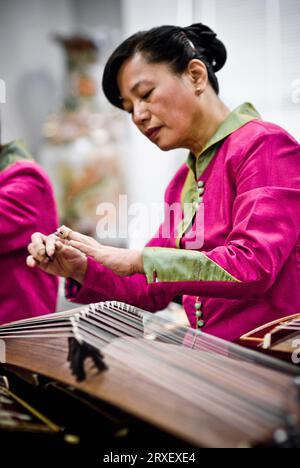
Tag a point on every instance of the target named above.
point(203, 392)
point(208, 396)
point(203, 341)
point(101, 323)
point(172, 337)
point(197, 357)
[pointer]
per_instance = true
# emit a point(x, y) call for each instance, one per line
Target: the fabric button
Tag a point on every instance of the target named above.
point(200, 183)
point(198, 305)
point(198, 313)
point(200, 191)
point(200, 323)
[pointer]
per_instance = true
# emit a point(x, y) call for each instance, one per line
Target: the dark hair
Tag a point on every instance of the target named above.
point(173, 45)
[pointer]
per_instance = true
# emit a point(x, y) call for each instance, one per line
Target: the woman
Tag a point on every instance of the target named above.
point(238, 266)
point(26, 204)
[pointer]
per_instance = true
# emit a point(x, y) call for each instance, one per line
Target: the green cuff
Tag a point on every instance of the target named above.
point(172, 265)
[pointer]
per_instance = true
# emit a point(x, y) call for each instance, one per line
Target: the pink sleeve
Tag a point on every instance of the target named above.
point(102, 284)
point(266, 213)
point(265, 227)
point(25, 200)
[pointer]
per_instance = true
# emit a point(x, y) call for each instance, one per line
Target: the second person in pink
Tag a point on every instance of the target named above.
point(26, 204)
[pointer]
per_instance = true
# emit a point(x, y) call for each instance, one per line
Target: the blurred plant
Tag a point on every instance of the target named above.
point(82, 156)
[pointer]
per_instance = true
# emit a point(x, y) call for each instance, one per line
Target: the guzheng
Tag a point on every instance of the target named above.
point(201, 389)
point(281, 337)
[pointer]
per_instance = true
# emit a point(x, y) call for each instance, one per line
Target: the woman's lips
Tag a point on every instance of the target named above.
point(153, 132)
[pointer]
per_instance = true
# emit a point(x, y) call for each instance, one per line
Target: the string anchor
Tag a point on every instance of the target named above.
point(288, 437)
point(78, 353)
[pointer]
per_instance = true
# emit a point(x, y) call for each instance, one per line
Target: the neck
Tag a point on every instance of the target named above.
point(210, 117)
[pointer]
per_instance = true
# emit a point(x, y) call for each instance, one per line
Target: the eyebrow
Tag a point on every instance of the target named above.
point(136, 86)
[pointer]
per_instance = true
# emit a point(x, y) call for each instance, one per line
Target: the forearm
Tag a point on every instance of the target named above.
point(101, 284)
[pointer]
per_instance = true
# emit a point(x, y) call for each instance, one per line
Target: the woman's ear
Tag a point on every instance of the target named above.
point(197, 72)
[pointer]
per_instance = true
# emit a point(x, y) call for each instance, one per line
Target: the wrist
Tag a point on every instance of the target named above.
point(138, 265)
point(80, 272)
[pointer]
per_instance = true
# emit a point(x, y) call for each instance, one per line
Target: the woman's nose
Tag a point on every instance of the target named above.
point(140, 114)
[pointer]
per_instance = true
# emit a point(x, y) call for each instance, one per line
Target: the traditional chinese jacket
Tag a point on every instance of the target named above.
point(234, 256)
point(26, 205)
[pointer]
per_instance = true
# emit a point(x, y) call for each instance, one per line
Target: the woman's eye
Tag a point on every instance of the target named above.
point(147, 95)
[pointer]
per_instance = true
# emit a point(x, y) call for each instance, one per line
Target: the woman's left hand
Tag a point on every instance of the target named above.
point(123, 262)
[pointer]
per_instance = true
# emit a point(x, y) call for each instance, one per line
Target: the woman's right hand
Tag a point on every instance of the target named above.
point(54, 256)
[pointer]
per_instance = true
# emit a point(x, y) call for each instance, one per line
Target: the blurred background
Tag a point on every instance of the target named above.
point(52, 55)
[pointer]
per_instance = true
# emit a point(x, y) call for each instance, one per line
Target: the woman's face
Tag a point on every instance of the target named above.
point(162, 104)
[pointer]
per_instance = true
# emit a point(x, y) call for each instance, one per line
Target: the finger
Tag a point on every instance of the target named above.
point(68, 252)
point(38, 237)
point(31, 262)
point(37, 246)
point(87, 249)
point(50, 245)
point(59, 245)
point(63, 232)
point(38, 252)
point(30, 248)
point(62, 245)
point(62, 241)
point(39, 255)
point(77, 236)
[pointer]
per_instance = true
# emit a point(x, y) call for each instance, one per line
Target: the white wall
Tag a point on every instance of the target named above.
point(92, 13)
point(31, 63)
point(263, 42)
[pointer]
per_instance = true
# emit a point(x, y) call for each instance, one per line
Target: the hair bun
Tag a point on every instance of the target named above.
point(206, 39)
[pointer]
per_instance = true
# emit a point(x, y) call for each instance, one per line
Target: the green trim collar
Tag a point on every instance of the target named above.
point(235, 120)
point(197, 165)
point(12, 153)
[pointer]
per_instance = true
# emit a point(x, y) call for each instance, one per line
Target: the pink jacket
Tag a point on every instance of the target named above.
point(247, 272)
point(26, 205)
